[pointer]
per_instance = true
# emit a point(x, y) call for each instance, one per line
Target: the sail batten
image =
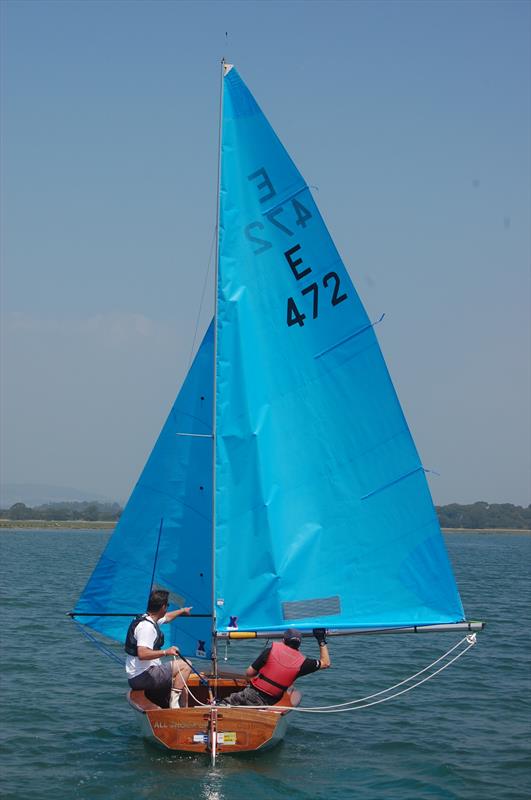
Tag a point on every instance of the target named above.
point(288, 195)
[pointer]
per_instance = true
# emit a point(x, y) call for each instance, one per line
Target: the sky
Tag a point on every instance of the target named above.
point(410, 120)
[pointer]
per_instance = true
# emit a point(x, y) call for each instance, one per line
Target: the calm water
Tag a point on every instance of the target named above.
point(67, 731)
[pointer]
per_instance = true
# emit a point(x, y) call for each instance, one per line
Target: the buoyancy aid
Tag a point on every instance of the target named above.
point(279, 671)
point(131, 646)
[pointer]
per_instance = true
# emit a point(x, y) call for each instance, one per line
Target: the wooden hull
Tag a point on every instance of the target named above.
point(197, 729)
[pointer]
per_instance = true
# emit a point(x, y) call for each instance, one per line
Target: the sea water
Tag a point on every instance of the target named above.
point(67, 731)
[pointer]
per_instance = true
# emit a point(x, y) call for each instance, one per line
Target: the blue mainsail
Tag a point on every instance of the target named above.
point(323, 516)
point(164, 537)
point(323, 513)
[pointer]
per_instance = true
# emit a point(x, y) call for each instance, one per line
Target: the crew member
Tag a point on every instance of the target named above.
point(144, 647)
point(277, 667)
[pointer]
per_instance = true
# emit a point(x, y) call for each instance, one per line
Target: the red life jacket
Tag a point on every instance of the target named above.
point(279, 671)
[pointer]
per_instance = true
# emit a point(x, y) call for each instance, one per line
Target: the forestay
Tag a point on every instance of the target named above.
point(323, 513)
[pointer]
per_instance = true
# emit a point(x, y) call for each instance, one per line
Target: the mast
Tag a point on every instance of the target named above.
point(216, 273)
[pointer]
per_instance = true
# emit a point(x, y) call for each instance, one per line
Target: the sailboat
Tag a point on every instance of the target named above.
point(285, 489)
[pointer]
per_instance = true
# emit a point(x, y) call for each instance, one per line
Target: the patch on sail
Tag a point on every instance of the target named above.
point(319, 607)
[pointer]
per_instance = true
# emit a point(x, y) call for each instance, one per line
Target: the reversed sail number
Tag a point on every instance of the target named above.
point(302, 215)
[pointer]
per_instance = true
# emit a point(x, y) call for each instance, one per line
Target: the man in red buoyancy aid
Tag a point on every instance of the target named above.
point(277, 667)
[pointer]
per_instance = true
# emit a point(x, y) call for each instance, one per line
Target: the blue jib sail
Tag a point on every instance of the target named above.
point(164, 537)
point(323, 513)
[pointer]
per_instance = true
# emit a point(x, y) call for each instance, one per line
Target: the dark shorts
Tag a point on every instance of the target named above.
point(250, 697)
point(156, 682)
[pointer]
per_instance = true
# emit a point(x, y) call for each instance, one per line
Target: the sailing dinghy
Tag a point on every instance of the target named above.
point(285, 489)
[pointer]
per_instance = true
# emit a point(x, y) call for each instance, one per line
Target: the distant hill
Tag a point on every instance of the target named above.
point(38, 494)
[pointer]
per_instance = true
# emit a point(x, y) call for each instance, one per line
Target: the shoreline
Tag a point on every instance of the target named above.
point(486, 530)
point(50, 524)
point(84, 524)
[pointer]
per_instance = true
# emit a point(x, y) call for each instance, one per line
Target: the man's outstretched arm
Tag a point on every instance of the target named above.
point(179, 612)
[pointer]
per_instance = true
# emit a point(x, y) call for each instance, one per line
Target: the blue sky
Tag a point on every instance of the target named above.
point(411, 119)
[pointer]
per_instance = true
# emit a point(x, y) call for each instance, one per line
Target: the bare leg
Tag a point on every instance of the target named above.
point(294, 696)
point(181, 672)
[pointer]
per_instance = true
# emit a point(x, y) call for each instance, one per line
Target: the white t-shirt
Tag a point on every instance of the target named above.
point(145, 635)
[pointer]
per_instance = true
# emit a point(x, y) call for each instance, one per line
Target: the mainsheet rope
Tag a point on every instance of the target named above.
point(356, 704)
point(185, 686)
point(337, 708)
point(471, 639)
point(411, 677)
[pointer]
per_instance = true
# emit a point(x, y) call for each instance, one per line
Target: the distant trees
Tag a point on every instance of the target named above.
point(18, 511)
point(472, 517)
point(484, 515)
point(62, 512)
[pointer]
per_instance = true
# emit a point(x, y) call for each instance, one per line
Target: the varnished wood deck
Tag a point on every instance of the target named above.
point(238, 728)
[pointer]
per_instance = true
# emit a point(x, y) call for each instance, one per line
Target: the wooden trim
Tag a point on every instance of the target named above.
point(239, 728)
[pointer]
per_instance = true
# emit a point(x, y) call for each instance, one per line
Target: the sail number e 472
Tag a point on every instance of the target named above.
point(330, 281)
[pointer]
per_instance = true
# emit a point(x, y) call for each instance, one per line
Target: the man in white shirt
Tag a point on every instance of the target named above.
point(143, 646)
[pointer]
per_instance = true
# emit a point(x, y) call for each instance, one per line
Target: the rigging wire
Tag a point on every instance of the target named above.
point(205, 283)
point(199, 703)
point(103, 648)
point(355, 704)
point(332, 710)
point(401, 683)
point(337, 708)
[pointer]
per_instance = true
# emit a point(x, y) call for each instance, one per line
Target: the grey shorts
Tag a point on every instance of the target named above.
point(156, 682)
point(249, 697)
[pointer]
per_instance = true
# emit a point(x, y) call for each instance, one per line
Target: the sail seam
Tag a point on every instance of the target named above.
point(321, 474)
point(177, 411)
point(180, 503)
